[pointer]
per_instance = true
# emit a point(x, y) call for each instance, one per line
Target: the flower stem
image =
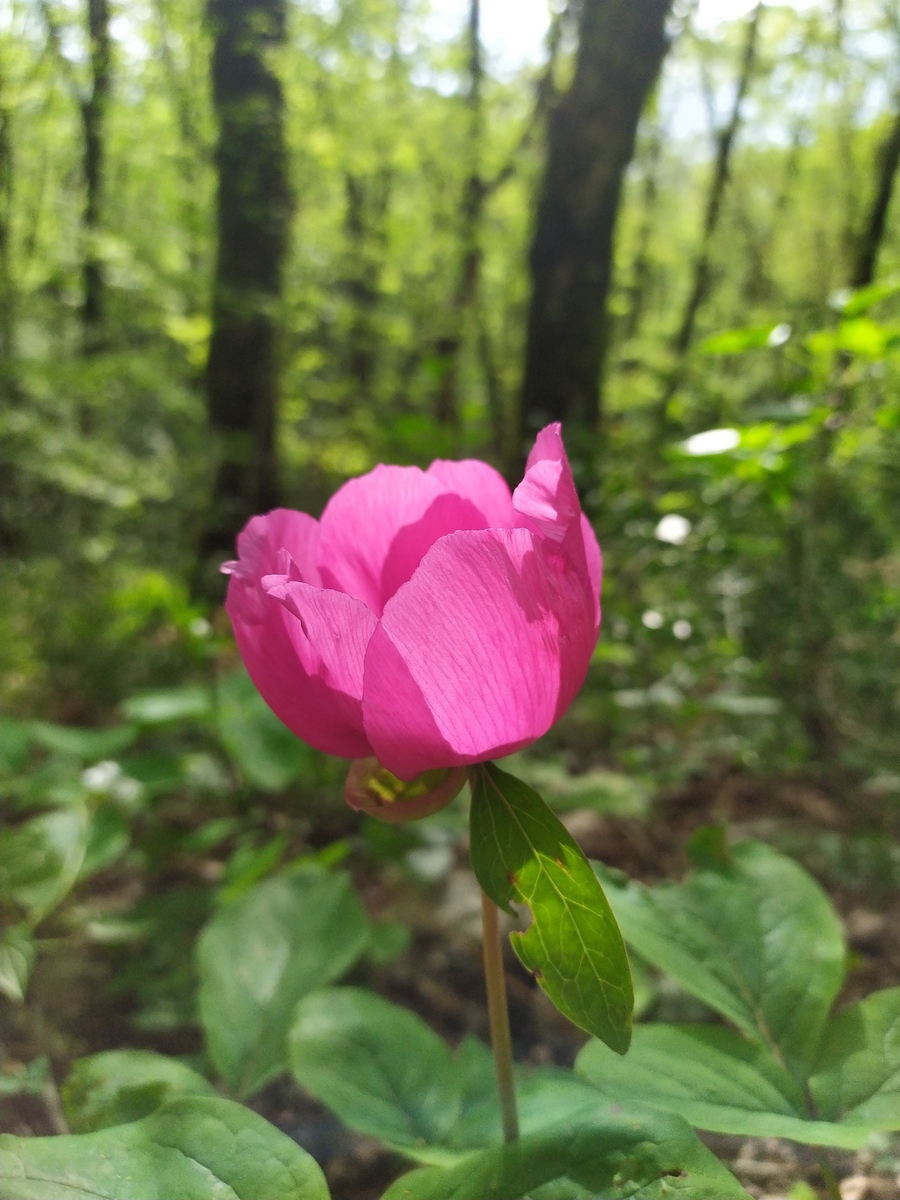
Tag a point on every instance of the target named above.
point(498, 1014)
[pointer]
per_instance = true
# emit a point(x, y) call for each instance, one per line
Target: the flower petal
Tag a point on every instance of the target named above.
point(547, 496)
point(594, 564)
point(376, 529)
point(479, 653)
point(481, 485)
point(310, 677)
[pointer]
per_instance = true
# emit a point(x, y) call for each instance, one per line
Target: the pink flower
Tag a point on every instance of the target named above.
point(430, 619)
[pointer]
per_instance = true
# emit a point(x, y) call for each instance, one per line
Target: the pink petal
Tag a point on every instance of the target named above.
point(376, 529)
point(479, 653)
point(311, 680)
point(547, 496)
point(480, 484)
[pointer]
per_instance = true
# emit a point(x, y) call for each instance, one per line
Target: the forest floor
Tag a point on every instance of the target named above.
point(847, 848)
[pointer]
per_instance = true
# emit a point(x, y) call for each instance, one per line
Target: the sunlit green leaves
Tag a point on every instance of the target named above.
point(856, 1078)
point(751, 935)
point(617, 1157)
point(193, 1149)
point(260, 954)
point(714, 1078)
point(118, 1086)
point(522, 854)
point(40, 859)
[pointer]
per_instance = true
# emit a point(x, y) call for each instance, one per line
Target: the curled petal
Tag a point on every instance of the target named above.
point(305, 656)
point(372, 789)
point(479, 653)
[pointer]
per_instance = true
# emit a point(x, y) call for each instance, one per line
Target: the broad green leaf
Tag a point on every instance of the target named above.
point(379, 1067)
point(192, 1149)
point(190, 703)
point(522, 854)
point(855, 303)
point(108, 837)
point(386, 1073)
point(260, 954)
point(15, 744)
point(17, 953)
point(118, 1086)
point(40, 860)
point(90, 745)
point(715, 1079)
point(618, 1157)
point(268, 754)
point(752, 936)
point(856, 1079)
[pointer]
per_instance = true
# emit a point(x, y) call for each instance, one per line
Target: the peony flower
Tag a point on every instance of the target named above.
point(431, 619)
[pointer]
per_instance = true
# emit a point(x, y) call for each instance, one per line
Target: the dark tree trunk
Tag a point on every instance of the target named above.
point(591, 139)
point(873, 231)
point(7, 301)
point(254, 207)
point(93, 115)
point(471, 214)
point(368, 197)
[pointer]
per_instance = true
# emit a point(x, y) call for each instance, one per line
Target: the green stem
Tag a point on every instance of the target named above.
point(832, 1188)
point(498, 1014)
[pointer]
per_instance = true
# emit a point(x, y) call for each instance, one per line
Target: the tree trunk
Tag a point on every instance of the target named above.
point(254, 207)
point(591, 137)
point(7, 301)
point(368, 197)
point(471, 215)
point(873, 231)
point(93, 115)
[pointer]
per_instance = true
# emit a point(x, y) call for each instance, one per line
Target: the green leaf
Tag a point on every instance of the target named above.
point(190, 1149)
point(267, 753)
point(17, 953)
point(753, 937)
point(260, 954)
point(15, 744)
point(108, 837)
point(522, 854)
point(618, 1157)
point(118, 1086)
point(715, 1079)
point(379, 1067)
point(857, 1076)
point(191, 703)
point(90, 745)
point(40, 860)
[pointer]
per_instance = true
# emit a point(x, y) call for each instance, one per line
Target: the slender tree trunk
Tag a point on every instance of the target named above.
point(368, 197)
point(471, 217)
point(93, 115)
point(7, 296)
point(591, 137)
point(253, 213)
point(641, 269)
point(876, 219)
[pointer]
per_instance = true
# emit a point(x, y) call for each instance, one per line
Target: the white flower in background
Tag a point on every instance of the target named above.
point(652, 619)
point(101, 776)
point(673, 528)
point(779, 335)
point(682, 629)
point(712, 441)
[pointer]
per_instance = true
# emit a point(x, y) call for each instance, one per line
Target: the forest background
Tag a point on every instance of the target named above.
point(250, 250)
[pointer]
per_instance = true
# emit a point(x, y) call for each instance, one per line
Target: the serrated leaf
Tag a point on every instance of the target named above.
point(17, 953)
point(192, 1149)
point(618, 1157)
point(268, 754)
point(260, 954)
point(754, 938)
point(118, 1086)
point(856, 1079)
point(522, 854)
point(715, 1079)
